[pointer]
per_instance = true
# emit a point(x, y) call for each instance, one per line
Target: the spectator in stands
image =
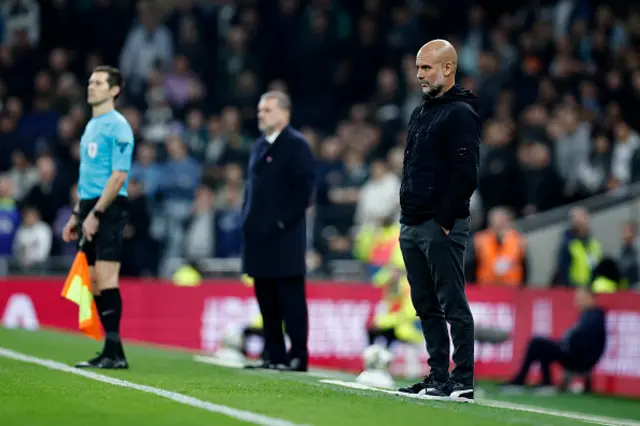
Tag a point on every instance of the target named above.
point(572, 142)
point(146, 170)
point(177, 187)
point(23, 175)
point(200, 238)
point(344, 189)
point(32, 244)
point(22, 15)
point(139, 248)
point(629, 258)
point(627, 143)
point(195, 134)
point(501, 178)
point(579, 252)
point(50, 192)
point(9, 222)
point(543, 185)
point(62, 217)
point(228, 229)
point(499, 254)
point(579, 350)
point(148, 46)
point(181, 84)
point(594, 176)
point(231, 189)
point(379, 197)
point(556, 82)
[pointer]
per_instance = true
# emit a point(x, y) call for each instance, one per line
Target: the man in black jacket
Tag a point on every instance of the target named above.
point(439, 176)
point(279, 189)
point(579, 351)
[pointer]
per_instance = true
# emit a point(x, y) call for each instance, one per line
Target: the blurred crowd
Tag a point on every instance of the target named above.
point(558, 82)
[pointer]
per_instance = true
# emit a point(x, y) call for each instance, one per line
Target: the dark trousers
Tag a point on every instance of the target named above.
point(546, 351)
point(434, 263)
point(283, 299)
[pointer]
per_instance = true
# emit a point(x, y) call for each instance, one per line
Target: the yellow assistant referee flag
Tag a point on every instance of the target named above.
point(77, 288)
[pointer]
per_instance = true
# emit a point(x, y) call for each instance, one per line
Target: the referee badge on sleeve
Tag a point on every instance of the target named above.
point(92, 149)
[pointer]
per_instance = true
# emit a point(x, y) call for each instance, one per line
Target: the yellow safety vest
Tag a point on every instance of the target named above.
point(583, 259)
point(375, 245)
point(604, 285)
point(187, 276)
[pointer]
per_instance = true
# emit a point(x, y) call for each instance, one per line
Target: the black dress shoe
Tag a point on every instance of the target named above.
point(297, 365)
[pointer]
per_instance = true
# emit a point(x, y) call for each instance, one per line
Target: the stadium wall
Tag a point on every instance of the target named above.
point(195, 318)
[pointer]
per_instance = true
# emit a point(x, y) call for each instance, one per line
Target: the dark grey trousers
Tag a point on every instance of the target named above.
point(434, 263)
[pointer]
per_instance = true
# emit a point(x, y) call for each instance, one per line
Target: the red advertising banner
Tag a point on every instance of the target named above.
point(197, 317)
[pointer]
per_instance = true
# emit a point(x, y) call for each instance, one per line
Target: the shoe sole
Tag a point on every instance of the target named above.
point(447, 399)
point(419, 395)
point(84, 366)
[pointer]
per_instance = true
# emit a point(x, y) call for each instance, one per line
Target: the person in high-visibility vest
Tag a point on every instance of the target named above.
point(374, 245)
point(396, 319)
point(607, 277)
point(579, 253)
point(500, 252)
point(187, 276)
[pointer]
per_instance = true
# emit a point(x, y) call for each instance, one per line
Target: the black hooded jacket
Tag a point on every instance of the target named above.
point(441, 159)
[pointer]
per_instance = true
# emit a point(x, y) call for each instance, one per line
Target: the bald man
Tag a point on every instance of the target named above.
point(439, 176)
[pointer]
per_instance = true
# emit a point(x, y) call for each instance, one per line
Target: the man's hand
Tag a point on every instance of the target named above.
point(446, 231)
point(70, 231)
point(90, 226)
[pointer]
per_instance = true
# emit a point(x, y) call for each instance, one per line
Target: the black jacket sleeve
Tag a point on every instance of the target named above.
point(303, 178)
point(464, 126)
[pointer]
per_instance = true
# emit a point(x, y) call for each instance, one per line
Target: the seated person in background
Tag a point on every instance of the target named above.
point(579, 350)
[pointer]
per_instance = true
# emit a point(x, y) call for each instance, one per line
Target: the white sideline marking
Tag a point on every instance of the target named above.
point(242, 415)
point(314, 372)
point(600, 420)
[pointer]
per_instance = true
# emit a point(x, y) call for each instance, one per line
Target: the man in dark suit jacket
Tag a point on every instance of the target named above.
point(278, 192)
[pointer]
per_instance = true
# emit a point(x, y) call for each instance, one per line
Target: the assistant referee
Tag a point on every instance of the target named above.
point(106, 150)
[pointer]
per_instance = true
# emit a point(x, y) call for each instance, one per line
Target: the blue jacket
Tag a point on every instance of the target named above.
point(9, 222)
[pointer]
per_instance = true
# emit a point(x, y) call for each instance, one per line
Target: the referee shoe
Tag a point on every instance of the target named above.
point(105, 362)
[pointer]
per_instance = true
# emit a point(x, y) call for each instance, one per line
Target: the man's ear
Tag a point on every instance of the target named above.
point(115, 91)
point(448, 68)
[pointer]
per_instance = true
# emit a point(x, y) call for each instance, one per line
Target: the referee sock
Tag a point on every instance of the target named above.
point(111, 315)
point(98, 299)
point(100, 307)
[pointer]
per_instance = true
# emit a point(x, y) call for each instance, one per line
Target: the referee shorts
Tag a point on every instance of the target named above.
point(107, 243)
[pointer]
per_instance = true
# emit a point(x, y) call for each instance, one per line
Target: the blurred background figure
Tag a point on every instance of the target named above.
point(577, 352)
point(9, 222)
point(32, 244)
point(578, 253)
point(499, 253)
